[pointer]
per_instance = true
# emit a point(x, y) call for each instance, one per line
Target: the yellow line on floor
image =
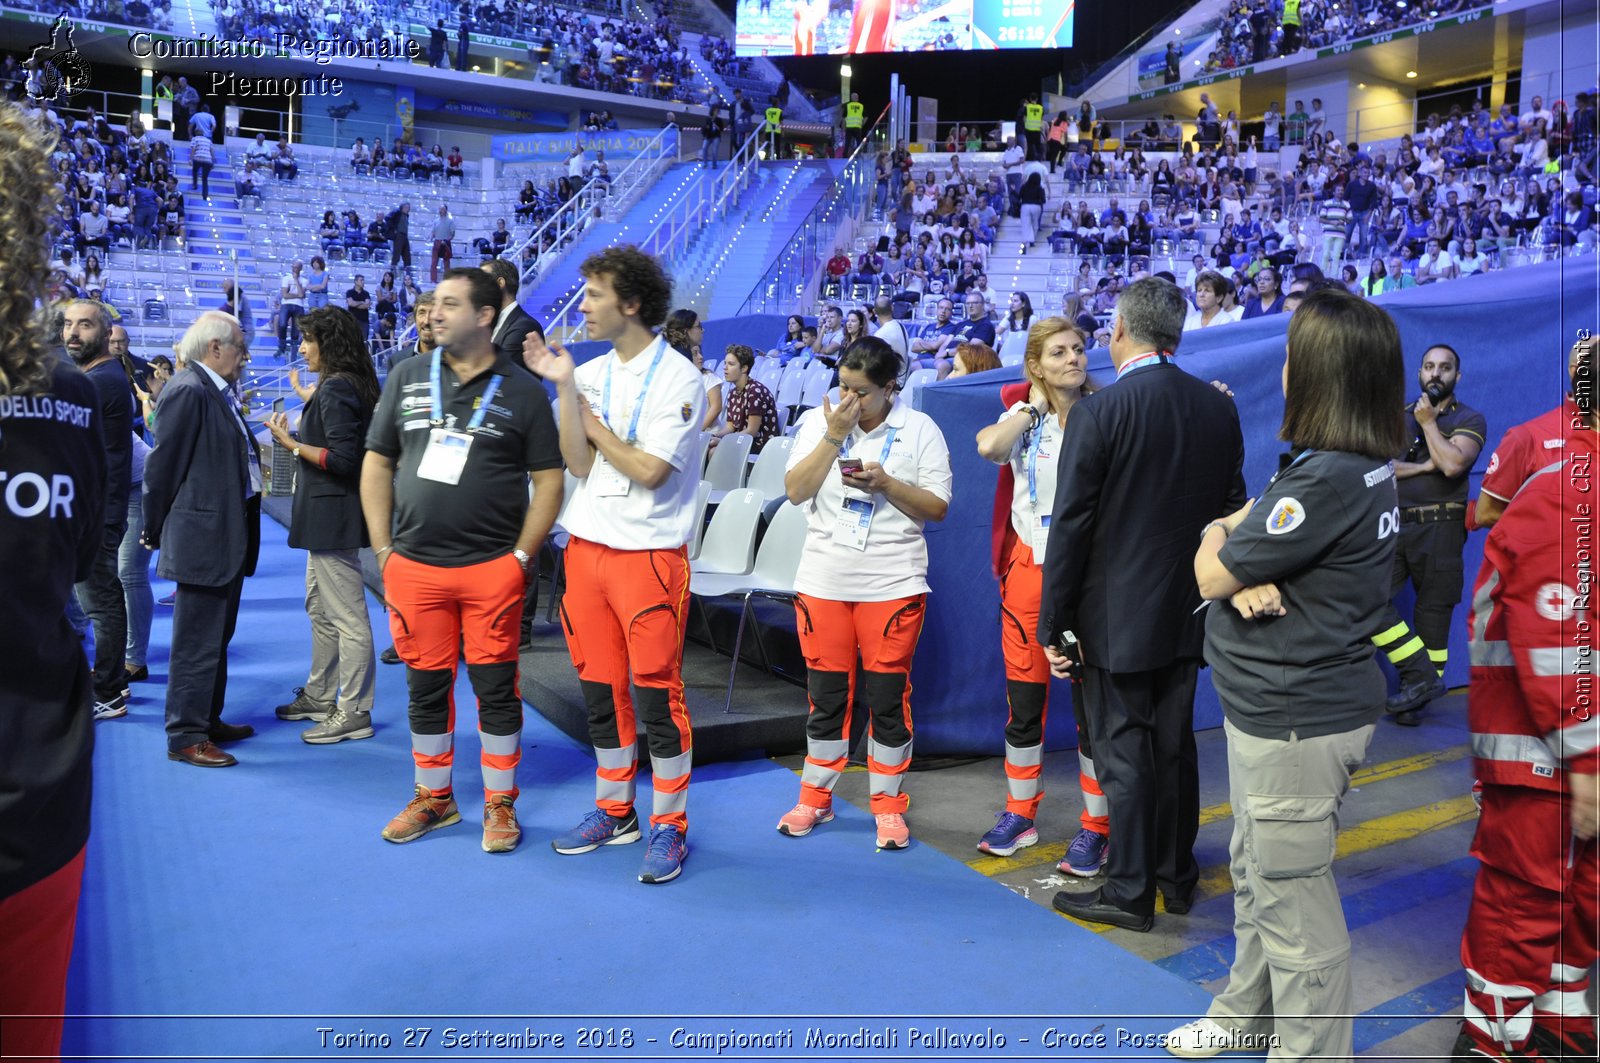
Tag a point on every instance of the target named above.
point(1039, 855)
point(1359, 838)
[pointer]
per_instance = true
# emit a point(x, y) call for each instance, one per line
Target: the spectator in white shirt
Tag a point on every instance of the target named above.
point(1435, 264)
point(1318, 121)
point(1210, 292)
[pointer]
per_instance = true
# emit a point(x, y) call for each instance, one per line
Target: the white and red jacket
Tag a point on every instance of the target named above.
point(1533, 706)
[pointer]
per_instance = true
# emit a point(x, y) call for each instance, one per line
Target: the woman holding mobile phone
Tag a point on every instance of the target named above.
point(1027, 441)
point(870, 473)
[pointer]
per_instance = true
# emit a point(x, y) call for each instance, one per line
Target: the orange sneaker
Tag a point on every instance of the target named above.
point(424, 813)
point(798, 821)
point(892, 831)
point(500, 831)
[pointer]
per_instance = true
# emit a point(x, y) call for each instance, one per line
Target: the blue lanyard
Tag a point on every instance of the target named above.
point(1033, 463)
point(644, 389)
point(1302, 456)
point(438, 405)
point(888, 443)
point(1153, 358)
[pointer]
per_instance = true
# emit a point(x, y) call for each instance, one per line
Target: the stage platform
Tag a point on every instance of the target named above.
point(768, 712)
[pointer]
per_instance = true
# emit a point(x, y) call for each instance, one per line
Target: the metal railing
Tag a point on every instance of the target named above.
point(595, 200)
point(704, 201)
point(793, 280)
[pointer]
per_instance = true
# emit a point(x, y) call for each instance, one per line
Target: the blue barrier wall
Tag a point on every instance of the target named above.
point(1513, 331)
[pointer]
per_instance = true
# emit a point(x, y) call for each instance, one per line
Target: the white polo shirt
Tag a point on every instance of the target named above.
point(668, 427)
point(1039, 448)
point(895, 561)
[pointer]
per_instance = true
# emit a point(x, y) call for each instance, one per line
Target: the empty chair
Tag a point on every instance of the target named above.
point(702, 499)
point(772, 576)
point(767, 472)
point(729, 545)
point(818, 378)
point(729, 464)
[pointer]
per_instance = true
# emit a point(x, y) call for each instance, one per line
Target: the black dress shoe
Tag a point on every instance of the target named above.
point(203, 755)
point(1177, 905)
point(229, 732)
point(136, 675)
point(389, 656)
point(1091, 908)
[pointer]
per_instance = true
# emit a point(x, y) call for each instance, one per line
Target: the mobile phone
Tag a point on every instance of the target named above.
point(1072, 651)
point(850, 466)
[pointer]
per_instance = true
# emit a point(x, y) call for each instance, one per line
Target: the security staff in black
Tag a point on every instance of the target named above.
point(1432, 477)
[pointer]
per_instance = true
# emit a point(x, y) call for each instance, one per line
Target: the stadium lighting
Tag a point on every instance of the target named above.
point(844, 70)
point(1411, 73)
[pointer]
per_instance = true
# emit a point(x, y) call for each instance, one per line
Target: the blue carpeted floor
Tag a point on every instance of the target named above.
point(265, 890)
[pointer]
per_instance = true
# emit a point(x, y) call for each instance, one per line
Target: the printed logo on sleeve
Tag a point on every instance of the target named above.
point(1494, 463)
point(1286, 516)
point(687, 409)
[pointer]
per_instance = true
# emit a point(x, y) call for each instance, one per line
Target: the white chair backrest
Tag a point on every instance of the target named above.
point(768, 373)
point(705, 449)
point(766, 474)
point(791, 386)
point(920, 377)
point(779, 557)
point(730, 541)
point(701, 496)
point(729, 462)
point(816, 386)
point(1012, 350)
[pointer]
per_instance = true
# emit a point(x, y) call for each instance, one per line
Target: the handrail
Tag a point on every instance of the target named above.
point(792, 278)
point(579, 210)
point(694, 210)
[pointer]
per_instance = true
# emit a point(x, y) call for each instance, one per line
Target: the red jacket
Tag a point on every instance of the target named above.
point(1010, 395)
point(1533, 707)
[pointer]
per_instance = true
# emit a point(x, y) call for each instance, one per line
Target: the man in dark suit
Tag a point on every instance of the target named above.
point(514, 323)
point(202, 507)
point(1146, 463)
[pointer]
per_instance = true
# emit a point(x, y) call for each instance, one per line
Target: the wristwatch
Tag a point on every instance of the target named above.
point(521, 556)
point(296, 452)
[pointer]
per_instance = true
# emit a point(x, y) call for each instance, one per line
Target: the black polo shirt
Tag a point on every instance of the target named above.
point(478, 519)
point(52, 521)
point(1429, 488)
point(1324, 532)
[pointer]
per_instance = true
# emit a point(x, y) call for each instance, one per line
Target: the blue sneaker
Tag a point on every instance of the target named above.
point(598, 829)
point(1011, 832)
point(1086, 855)
point(663, 858)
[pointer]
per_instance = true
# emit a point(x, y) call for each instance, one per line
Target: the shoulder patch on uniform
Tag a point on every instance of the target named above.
point(1494, 463)
point(1554, 444)
point(687, 410)
point(1286, 516)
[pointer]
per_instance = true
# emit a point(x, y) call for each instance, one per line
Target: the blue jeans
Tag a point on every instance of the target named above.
point(133, 568)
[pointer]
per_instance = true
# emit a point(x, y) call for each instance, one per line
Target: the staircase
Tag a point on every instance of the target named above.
point(713, 274)
point(553, 291)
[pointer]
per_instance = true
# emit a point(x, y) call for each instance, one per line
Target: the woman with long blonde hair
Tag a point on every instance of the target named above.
point(1027, 442)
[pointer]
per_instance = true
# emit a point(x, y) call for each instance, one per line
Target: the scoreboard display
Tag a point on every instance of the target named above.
point(835, 27)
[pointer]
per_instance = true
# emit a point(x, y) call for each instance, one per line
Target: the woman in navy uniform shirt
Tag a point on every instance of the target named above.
point(52, 506)
point(1298, 582)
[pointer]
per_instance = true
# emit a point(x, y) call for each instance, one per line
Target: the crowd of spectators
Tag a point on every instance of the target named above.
point(1456, 198)
point(145, 13)
point(1253, 31)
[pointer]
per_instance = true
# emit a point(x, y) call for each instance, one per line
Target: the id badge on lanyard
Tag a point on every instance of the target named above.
point(446, 457)
point(1039, 524)
point(854, 522)
point(605, 479)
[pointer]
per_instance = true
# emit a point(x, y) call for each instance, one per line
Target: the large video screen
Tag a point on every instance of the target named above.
point(849, 27)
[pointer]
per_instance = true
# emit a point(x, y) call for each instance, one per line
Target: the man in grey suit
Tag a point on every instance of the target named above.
point(1146, 463)
point(202, 505)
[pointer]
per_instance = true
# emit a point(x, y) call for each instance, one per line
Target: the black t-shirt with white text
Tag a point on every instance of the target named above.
point(52, 518)
point(479, 518)
point(1324, 532)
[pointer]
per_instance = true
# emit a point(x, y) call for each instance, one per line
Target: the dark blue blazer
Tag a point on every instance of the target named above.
point(1145, 464)
point(327, 502)
point(195, 480)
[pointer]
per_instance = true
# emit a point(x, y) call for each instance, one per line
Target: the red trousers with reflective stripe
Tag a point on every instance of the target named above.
point(36, 927)
point(1021, 588)
point(885, 634)
point(433, 612)
point(625, 613)
point(1534, 905)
